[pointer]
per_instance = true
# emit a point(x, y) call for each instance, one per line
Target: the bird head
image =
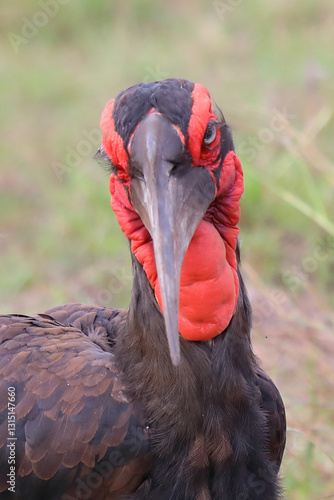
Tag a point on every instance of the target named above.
point(176, 185)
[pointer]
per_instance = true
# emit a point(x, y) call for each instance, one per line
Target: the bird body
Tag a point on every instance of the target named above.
point(166, 400)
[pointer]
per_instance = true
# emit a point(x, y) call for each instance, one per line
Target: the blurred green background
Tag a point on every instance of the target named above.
point(269, 66)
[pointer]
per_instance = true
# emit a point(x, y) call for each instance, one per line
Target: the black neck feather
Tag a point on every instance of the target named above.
point(208, 432)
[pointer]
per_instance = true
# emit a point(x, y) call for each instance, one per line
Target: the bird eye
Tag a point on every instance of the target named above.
point(210, 133)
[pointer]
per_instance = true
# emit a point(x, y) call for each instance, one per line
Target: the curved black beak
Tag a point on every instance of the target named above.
point(171, 197)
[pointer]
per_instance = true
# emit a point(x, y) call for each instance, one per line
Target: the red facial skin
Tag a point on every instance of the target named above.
point(209, 284)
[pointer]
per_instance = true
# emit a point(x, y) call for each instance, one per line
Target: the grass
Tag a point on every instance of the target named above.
point(269, 67)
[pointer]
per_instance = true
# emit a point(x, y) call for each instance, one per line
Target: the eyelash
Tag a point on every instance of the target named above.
point(211, 132)
point(104, 161)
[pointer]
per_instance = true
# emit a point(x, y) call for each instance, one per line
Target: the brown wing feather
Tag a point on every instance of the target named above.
point(273, 405)
point(100, 324)
point(74, 421)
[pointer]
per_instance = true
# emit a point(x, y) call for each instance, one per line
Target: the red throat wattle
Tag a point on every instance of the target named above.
point(208, 288)
point(209, 284)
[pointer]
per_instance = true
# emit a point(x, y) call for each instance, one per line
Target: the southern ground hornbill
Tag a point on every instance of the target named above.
point(165, 401)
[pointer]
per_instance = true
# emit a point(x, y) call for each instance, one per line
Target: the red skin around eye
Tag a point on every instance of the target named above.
point(201, 114)
point(112, 143)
